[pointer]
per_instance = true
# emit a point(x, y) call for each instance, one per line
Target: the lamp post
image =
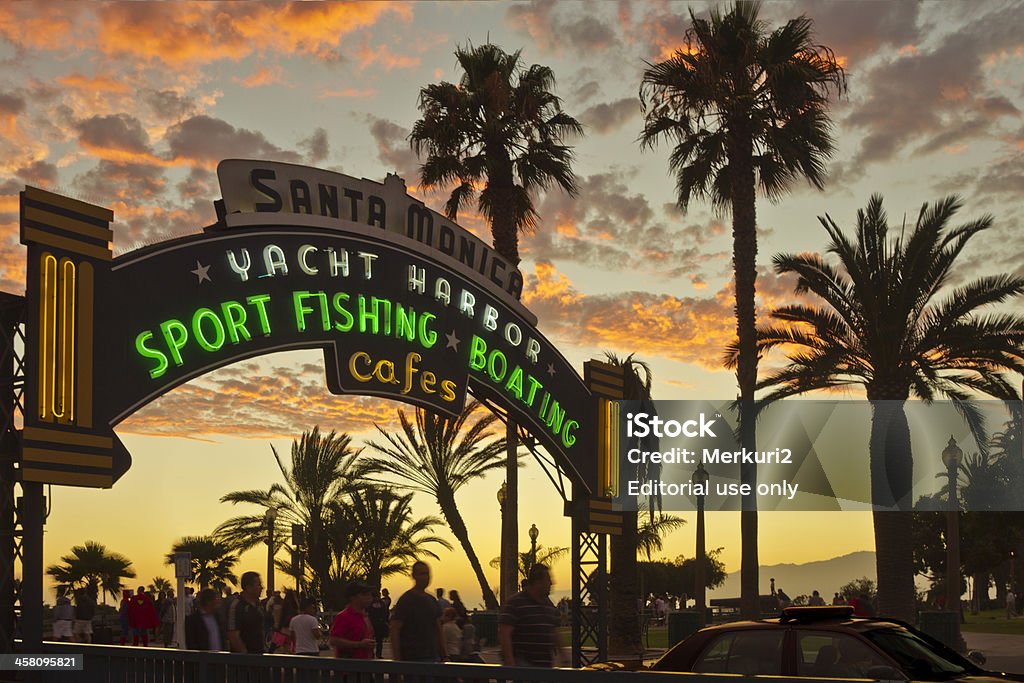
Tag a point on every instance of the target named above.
point(951, 458)
point(700, 478)
point(534, 533)
point(270, 518)
point(503, 565)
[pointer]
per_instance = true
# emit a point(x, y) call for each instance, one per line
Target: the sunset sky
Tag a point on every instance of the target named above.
point(132, 105)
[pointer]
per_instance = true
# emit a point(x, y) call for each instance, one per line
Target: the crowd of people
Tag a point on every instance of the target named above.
point(421, 626)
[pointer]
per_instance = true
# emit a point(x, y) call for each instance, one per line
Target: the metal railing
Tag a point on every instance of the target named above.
point(118, 664)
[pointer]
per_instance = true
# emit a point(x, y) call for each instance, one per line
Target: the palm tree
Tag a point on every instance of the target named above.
point(159, 585)
point(746, 110)
point(93, 567)
point(389, 538)
point(212, 561)
point(322, 470)
point(499, 130)
point(438, 456)
point(651, 533)
point(883, 326)
point(527, 559)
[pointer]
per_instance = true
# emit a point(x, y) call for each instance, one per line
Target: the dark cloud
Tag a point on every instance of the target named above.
point(113, 132)
point(11, 104)
point(169, 105)
point(610, 116)
point(587, 90)
point(857, 29)
point(40, 172)
point(206, 140)
point(932, 99)
point(109, 181)
point(552, 30)
point(315, 146)
point(393, 149)
point(612, 227)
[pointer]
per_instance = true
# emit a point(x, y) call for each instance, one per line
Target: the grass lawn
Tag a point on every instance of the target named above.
point(993, 621)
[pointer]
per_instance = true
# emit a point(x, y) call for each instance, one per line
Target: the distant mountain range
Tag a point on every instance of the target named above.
point(825, 576)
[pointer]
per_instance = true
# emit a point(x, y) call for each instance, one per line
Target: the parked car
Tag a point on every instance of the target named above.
point(820, 642)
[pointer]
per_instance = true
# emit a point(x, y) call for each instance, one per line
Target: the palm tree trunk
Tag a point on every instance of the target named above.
point(744, 260)
point(451, 515)
point(891, 487)
point(503, 218)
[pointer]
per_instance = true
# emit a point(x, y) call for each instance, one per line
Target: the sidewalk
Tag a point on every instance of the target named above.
point(1003, 652)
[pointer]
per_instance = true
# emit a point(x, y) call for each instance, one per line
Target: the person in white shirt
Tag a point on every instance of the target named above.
point(451, 633)
point(305, 630)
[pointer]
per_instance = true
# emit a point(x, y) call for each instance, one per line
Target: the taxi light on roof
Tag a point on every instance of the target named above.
point(817, 613)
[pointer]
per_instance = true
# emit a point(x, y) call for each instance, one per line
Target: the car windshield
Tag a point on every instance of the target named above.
point(914, 655)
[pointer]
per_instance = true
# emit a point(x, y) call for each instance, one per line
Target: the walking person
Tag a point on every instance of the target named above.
point(168, 614)
point(816, 600)
point(63, 617)
point(452, 634)
point(304, 628)
point(379, 614)
point(122, 615)
point(441, 602)
point(1011, 604)
point(416, 622)
point(460, 609)
point(245, 617)
point(203, 628)
point(351, 633)
point(85, 611)
point(528, 624)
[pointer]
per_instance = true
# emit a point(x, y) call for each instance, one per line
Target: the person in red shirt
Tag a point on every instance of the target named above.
point(351, 633)
point(142, 616)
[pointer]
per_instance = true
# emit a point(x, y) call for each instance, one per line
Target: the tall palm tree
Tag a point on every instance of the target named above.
point(212, 561)
point(159, 584)
point(527, 559)
point(747, 110)
point(438, 455)
point(389, 538)
point(322, 469)
point(93, 567)
point(499, 131)
point(881, 324)
point(652, 531)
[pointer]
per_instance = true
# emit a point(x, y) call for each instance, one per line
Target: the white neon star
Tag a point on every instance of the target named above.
point(201, 272)
point(453, 341)
point(551, 369)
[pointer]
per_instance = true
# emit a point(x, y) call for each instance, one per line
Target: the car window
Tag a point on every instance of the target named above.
point(743, 652)
point(915, 656)
point(827, 654)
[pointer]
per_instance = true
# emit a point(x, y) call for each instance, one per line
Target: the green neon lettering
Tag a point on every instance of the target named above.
point(260, 302)
point(492, 371)
point(347, 321)
point(235, 317)
point(218, 329)
point(386, 304)
point(325, 313)
point(477, 351)
point(568, 438)
point(301, 309)
point(544, 405)
point(405, 322)
point(555, 417)
point(175, 334)
point(514, 385)
point(534, 386)
point(365, 314)
point(146, 352)
point(428, 336)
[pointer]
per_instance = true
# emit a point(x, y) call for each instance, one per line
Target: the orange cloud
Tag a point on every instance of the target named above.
point(385, 57)
point(52, 25)
point(349, 92)
point(200, 33)
point(266, 75)
point(94, 84)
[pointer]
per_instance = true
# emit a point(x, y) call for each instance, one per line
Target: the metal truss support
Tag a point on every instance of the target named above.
point(589, 588)
point(12, 342)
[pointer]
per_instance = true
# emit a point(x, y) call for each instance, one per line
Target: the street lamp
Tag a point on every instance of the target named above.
point(534, 533)
point(700, 480)
point(270, 518)
point(951, 458)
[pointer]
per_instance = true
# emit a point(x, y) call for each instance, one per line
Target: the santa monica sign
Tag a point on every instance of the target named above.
point(403, 303)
